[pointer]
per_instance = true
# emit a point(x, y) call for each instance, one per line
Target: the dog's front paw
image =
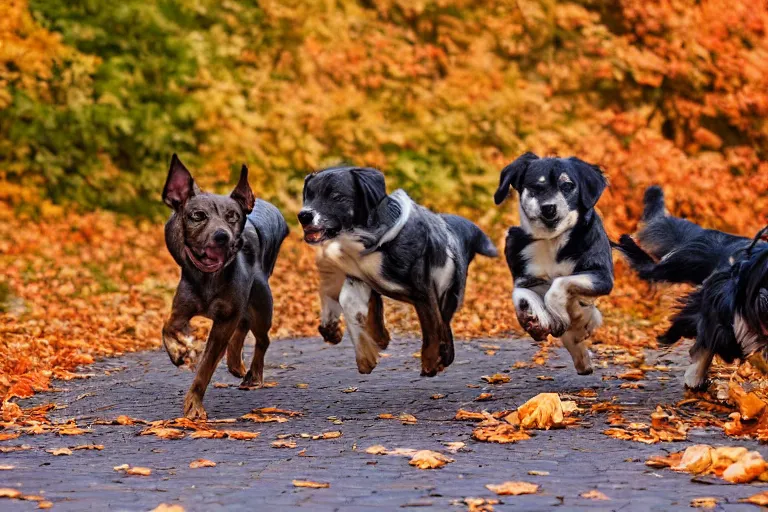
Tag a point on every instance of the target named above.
point(193, 407)
point(332, 332)
point(531, 323)
point(180, 347)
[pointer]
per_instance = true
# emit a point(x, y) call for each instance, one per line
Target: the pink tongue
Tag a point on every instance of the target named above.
point(215, 254)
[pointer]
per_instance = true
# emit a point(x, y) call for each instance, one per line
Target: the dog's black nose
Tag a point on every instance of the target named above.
point(221, 237)
point(305, 217)
point(549, 211)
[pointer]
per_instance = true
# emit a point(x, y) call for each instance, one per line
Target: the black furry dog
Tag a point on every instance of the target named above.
point(728, 312)
point(370, 244)
point(560, 256)
point(226, 247)
point(676, 250)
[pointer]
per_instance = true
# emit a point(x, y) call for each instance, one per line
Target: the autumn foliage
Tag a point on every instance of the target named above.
point(440, 94)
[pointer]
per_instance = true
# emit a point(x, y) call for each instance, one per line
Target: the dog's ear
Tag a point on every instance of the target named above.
point(370, 189)
point(512, 175)
point(243, 193)
point(306, 181)
point(591, 182)
point(179, 185)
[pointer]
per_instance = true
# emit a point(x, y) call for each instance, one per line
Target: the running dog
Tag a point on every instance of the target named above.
point(371, 244)
point(226, 247)
point(560, 255)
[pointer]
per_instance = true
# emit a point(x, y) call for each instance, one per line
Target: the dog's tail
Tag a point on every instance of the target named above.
point(637, 257)
point(653, 203)
point(272, 230)
point(472, 237)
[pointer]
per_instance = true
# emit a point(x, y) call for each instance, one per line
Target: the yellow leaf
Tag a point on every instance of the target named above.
point(513, 488)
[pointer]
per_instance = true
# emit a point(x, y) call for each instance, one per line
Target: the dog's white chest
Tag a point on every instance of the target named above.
point(344, 253)
point(542, 262)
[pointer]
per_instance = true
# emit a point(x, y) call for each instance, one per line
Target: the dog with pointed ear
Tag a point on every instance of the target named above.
point(560, 255)
point(226, 246)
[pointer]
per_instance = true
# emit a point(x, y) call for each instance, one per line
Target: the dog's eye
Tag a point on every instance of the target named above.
point(232, 217)
point(197, 216)
point(336, 197)
point(567, 187)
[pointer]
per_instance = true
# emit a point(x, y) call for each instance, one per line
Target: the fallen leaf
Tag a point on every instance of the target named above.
point(513, 488)
point(454, 446)
point(328, 435)
point(163, 432)
point(376, 449)
point(696, 459)
point(484, 397)
point(302, 385)
point(427, 459)
point(241, 435)
point(207, 434)
point(59, 451)
point(4, 436)
point(6, 492)
point(98, 447)
point(594, 495)
point(545, 377)
point(543, 411)
point(386, 416)
point(45, 504)
point(276, 410)
point(760, 498)
point(632, 374)
point(202, 463)
point(221, 385)
point(20, 448)
point(6, 467)
point(164, 507)
point(535, 472)
point(496, 378)
point(437, 396)
point(463, 415)
point(502, 433)
point(258, 417)
point(350, 389)
point(283, 443)
point(407, 419)
point(707, 502)
point(310, 484)
point(749, 404)
point(746, 469)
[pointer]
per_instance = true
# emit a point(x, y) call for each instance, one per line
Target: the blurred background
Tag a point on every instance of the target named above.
point(96, 95)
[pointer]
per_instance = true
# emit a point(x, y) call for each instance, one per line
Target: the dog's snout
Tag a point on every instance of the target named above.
point(305, 217)
point(221, 237)
point(549, 211)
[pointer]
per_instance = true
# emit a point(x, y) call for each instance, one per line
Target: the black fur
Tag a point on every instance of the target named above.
point(392, 247)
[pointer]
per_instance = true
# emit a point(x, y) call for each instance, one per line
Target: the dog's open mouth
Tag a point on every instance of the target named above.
point(313, 235)
point(210, 260)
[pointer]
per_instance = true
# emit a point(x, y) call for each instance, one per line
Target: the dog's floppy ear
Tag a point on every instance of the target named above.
point(179, 185)
point(243, 193)
point(512, 175)
point(306, 181)
point(591, 182)
point(370, 189)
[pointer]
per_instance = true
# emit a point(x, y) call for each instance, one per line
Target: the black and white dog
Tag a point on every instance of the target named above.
point(728, 312)
point(370, 244)
point(560, 256)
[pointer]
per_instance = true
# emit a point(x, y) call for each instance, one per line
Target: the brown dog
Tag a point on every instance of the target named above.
point(226, 247)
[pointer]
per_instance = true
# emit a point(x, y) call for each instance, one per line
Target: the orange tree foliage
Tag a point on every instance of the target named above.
point(439, 94)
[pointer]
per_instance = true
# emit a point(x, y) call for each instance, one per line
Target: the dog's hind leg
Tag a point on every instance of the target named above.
point(235, 363)
point(331, 282)
point(375, 326)
point(354, 299)
point(221, 333)
point(585, 319)
point(261, 323)
point(437, 339)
